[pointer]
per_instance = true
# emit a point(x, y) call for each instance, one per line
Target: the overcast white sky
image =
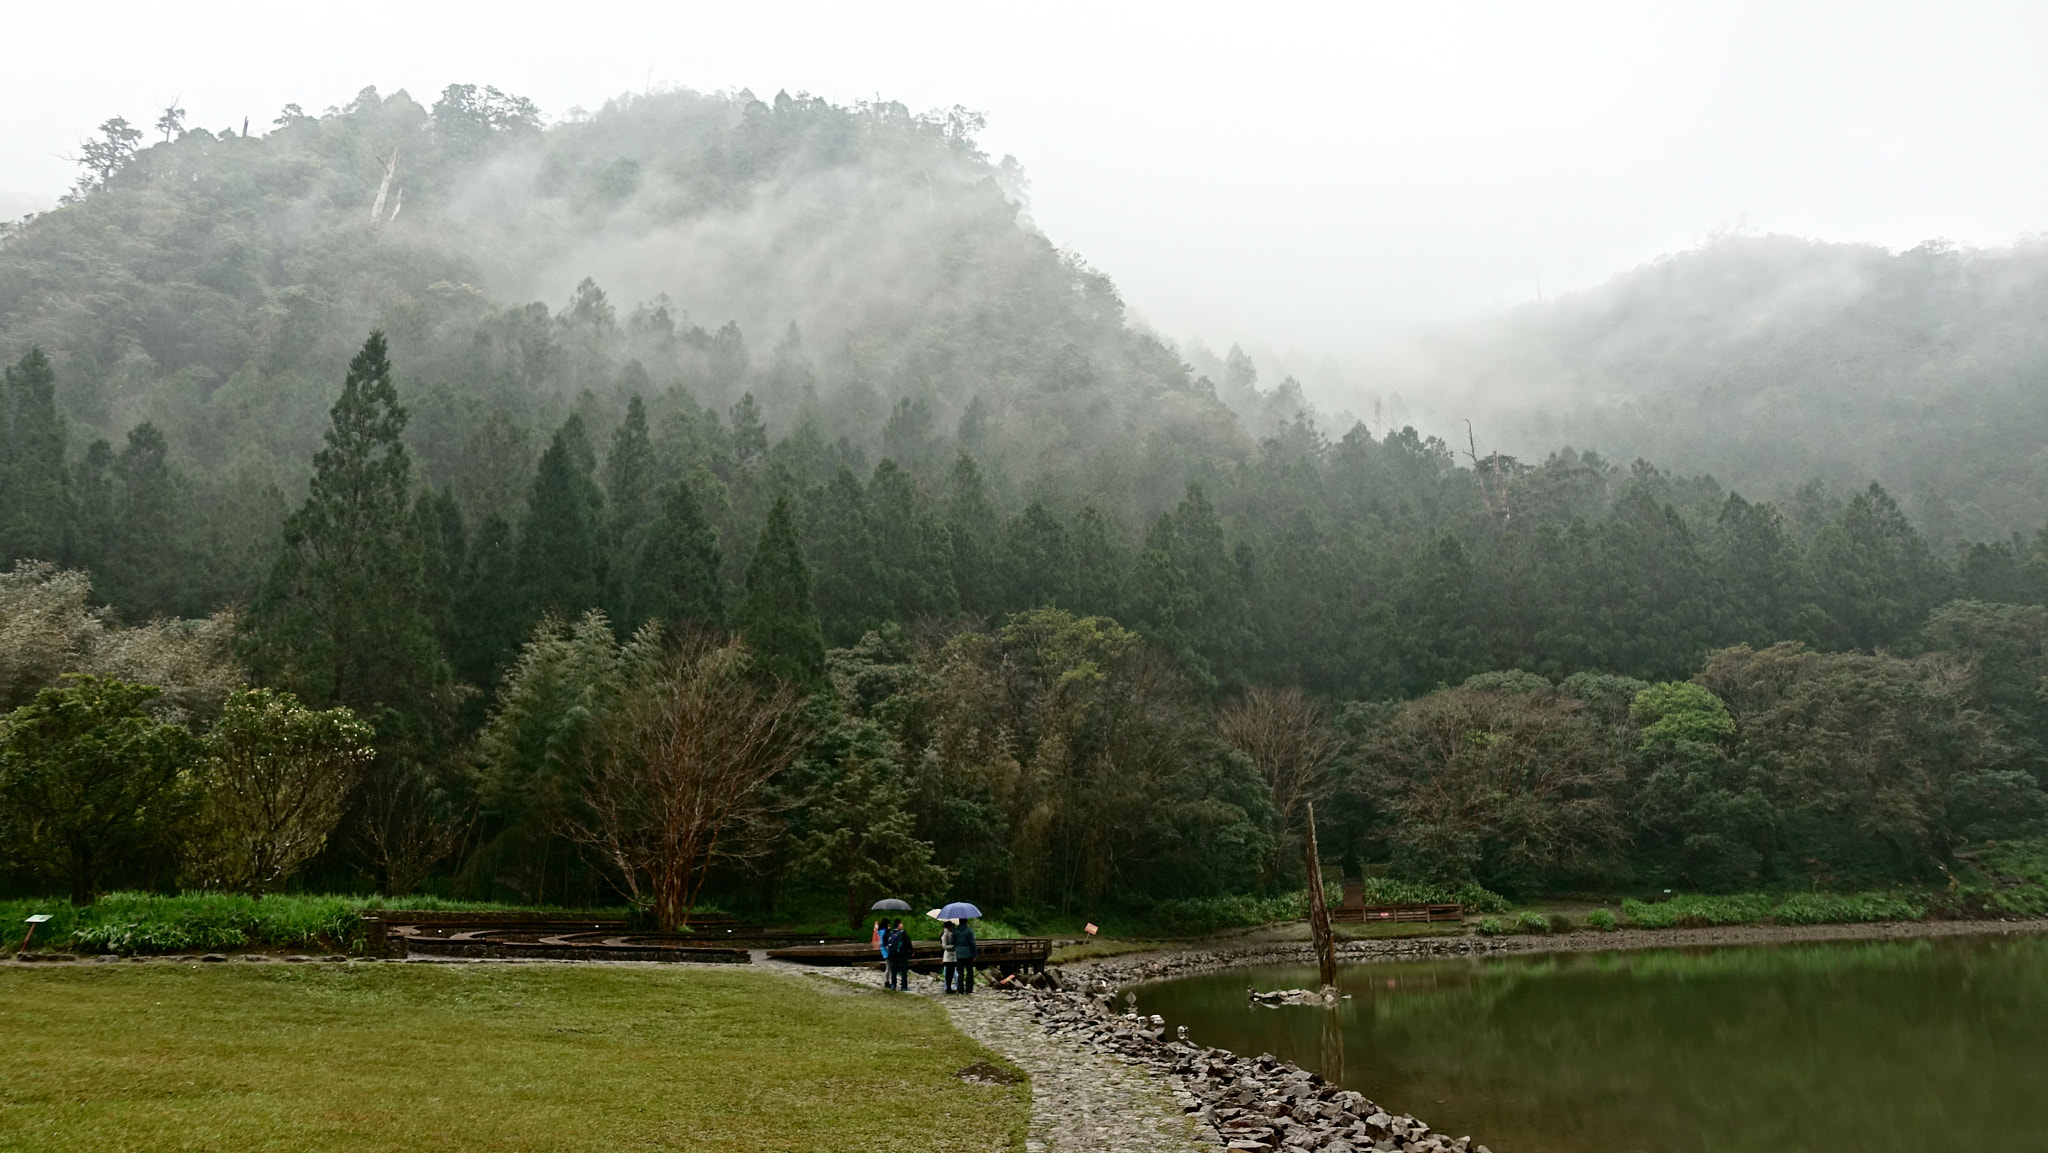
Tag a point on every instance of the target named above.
point(1286, 175)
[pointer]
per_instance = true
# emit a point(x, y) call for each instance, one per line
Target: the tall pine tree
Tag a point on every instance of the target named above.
point(560, 550)
point(629, 489)
point(34, 489)
point(974, 530)
point(343, 619)
point(487, 605)
point(777, 616)
point(676, 576)
point(852, 590)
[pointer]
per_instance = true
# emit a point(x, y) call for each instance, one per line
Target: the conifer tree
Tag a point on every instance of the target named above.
point(342, 619)
point(1098, 569)
point(559, 545)
point(34, 489)
point(145, 564)
point(1038, 560)
point(915, 550)
point(776, 616)
point(444, 550)
point(96, 513)
point(675, 577)
point(971, 522)
point(629, 490)
point(749, 432)
point(851, 592)
point(487, 605)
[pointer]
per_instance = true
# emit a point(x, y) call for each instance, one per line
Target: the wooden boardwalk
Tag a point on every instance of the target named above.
point(398, 932)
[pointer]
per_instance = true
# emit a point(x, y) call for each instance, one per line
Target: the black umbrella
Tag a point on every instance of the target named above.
point(890, 905)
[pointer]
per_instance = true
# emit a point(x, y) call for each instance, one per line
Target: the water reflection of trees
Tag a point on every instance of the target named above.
point(1790, 1046)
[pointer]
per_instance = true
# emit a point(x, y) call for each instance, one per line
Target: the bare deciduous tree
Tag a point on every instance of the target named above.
point(1290, 740)
point(407, 822)
point(679, 768)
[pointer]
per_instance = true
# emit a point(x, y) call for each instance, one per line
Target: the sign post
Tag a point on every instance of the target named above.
point(38, 919)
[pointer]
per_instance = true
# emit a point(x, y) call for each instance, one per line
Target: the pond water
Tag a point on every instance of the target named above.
point(1847, 1047)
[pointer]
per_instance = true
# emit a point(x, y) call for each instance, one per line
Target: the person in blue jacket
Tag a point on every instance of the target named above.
point(963, 953)
point(896, 955)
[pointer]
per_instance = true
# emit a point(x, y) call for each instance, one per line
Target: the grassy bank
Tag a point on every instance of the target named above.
point(152, 923)
point(476, 1057)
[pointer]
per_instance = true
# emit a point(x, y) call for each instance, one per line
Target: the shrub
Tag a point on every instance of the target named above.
point(1603, 920)
point(1696, 911)
point(1691, 910)
point(1532, 923)
point(1560, 923)
point(1193, 916)
point(1828, 909)
point(1492, 927)
point(1388, 891)
point(131, 923)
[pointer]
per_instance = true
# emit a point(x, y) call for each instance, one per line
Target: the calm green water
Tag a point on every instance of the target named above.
point(1847, 1048)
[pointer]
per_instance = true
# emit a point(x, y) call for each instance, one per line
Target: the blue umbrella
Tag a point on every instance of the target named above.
point(958, 911)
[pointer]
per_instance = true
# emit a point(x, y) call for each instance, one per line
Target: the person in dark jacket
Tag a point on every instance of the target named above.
point(963, 953)
point(898, 961)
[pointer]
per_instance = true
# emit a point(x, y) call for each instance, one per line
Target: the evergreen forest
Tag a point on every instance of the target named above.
point(510, 480)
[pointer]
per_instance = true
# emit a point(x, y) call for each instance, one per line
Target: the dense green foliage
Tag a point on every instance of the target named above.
point(124, 922)
point(88, 780)
point(1013, 549)
point(276, 777)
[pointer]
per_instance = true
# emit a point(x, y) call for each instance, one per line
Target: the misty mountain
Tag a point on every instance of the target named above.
point(661, 321)
point(1770, 361)
point(845, 266)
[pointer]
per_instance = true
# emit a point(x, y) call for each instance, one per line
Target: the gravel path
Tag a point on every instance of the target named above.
point(1083, 1099)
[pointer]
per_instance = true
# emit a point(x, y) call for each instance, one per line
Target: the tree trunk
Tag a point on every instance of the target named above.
point(1319, 912)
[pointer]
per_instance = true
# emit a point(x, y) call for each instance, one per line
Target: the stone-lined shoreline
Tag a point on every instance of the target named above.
point(1257, 1104)
point(1187, 960)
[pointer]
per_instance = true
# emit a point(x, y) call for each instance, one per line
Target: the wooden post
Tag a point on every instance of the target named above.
point(1319, 911)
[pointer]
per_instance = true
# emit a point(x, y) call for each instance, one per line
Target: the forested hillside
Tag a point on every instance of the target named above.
point(1769, 361)
point(807, 376)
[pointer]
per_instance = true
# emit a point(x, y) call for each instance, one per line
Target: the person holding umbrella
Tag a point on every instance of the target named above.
point(884, 942)
point(963, 953)
point(957, 945)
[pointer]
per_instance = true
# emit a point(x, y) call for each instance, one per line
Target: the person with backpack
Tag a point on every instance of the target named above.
point(896, 956)
point(963, 955)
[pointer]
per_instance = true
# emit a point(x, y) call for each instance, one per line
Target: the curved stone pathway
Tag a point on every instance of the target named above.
point(1083, 1099)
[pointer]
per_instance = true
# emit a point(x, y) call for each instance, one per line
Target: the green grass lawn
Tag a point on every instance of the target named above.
point(501, 1057)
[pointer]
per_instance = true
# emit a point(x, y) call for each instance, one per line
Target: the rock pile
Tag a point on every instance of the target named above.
point(1290, 996)
point(1250, 1103)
